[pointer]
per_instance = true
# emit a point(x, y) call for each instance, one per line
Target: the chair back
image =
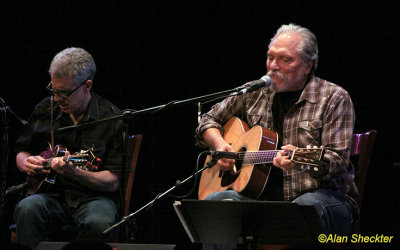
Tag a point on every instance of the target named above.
point(360, 156)
point(135, 142)
point(361, 152)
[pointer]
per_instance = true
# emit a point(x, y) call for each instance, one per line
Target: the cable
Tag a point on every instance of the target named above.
point(195, 180)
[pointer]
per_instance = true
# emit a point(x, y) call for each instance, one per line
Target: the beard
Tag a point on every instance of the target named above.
point(287, 84)
point(280, 87)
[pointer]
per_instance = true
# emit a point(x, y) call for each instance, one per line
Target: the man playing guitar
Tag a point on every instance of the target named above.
point(303, 110)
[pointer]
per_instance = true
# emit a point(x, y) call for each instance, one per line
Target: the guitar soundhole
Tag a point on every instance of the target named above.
point(228, 177)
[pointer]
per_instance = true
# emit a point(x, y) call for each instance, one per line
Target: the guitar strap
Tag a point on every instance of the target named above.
point(50, 178)
point(52, 125)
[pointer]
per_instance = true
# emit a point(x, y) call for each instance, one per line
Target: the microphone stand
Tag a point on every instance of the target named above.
point(4, 148)
point(3, 171)
point(126, 114)
point(131, 216)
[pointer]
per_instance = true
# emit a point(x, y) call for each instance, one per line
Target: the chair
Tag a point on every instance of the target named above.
point(361, 151)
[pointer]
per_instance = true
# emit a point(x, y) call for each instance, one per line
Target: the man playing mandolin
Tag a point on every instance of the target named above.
point(75, 193)
point(303, 110)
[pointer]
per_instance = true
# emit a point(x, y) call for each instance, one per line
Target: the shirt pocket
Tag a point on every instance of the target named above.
point(309, 132)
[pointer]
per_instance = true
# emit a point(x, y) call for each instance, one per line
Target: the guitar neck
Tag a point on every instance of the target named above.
point(259, 157)
point(309, 156)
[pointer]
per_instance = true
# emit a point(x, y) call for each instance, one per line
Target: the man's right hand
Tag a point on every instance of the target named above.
point(216, 142)
point(34, 165)
point(225, 164)
point(30, 164)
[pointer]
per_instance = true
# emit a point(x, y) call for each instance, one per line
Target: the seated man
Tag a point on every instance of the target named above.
point(303, 110)
point(84, 196)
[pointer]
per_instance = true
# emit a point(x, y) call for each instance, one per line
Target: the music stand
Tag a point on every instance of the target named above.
point(254, 222)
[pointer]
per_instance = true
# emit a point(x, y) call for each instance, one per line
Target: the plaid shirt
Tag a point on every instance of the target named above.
point(323, 116)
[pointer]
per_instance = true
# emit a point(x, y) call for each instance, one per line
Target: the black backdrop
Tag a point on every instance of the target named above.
point(149, 53)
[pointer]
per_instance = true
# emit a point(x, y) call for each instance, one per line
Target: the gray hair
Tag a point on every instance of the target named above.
point(308, 47)
point(73, 62)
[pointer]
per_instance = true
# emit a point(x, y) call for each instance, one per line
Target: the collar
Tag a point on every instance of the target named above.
point(92, 112)
point(309, 91)
point(93, 109)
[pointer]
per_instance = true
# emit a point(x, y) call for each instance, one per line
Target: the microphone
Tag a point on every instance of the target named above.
point(18, 187)
point(264, 81)
point(223, 154)
point(8, 108)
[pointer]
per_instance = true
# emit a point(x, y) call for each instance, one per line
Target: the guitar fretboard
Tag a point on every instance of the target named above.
point(259, 157)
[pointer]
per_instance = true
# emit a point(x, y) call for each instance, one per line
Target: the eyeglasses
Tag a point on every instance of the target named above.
point(63, 94)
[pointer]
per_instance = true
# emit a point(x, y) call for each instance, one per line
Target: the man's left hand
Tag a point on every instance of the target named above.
point(62, 167)
point(282, 161)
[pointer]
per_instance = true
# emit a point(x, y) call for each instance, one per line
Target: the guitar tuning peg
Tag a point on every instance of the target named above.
point(315, 147)
point(308, 146)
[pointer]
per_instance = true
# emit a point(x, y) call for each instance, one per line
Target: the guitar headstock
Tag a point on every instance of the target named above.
point(308, 156)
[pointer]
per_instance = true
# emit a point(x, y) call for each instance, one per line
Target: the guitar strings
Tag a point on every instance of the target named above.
point(255, 157)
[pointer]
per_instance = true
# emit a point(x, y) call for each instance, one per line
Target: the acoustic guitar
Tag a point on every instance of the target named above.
point(254, 148)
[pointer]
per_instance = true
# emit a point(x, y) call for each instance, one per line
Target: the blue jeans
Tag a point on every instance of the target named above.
point(335, 212)
point(39, 216)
